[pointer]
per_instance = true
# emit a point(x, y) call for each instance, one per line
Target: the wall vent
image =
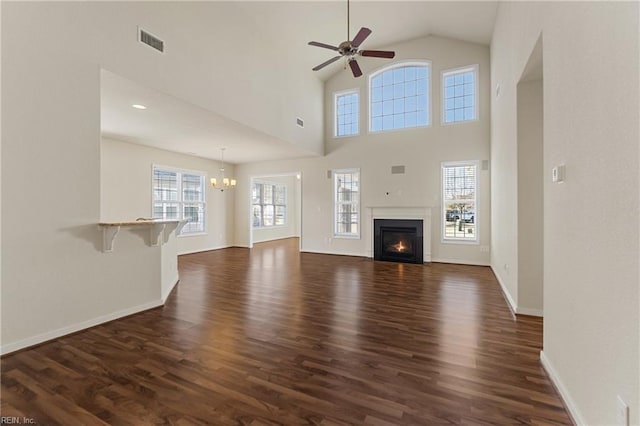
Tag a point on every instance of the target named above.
point(299, 122)
point(397, 170)
point(150, 40)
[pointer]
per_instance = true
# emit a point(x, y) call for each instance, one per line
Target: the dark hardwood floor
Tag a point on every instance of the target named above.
point(273, 336)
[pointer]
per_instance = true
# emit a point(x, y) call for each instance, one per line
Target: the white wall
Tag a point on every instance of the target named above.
point(420, 150)
point(125, 190)
point(291, 228)
point(591, 235)
point(54, 276)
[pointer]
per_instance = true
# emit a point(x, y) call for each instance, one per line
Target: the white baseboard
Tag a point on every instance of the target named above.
point(512, 304)
point(54, 334)
point(460, 262)
point(562, 390)
point(335, 253)
point(507, 295)
point(529, 311)
point(206, 249)
point(166, 296)
point(275, 239)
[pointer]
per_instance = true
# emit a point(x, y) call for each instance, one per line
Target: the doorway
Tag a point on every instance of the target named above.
point(275, 207)
point(530, 122)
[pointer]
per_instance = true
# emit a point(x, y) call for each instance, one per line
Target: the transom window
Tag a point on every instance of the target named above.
point(347, 113)
point(459, 201)
point(399, 97)
point(269, 203)
point(180, 194)
point(346, 188)
point(459, 95)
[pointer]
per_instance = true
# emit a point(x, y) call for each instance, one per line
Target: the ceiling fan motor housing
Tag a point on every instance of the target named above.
point(346, 49)
point(349, 49)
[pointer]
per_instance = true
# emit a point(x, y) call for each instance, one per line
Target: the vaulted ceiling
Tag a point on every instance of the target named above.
point(255, 40)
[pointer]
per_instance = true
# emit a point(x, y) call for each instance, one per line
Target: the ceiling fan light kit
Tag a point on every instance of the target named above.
point(349, 50)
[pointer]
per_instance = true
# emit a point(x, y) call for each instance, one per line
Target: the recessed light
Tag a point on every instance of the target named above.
point(138, 106)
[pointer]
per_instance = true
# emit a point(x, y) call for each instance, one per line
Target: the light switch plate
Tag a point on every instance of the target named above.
point(557, 174)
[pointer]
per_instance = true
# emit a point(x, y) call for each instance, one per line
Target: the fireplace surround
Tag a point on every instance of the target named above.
point(398, 240)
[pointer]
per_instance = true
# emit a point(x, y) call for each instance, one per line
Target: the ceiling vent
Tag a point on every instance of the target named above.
point(299, 122)
point(150, 40)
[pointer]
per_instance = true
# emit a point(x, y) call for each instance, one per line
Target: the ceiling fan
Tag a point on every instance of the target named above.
point(349, 49)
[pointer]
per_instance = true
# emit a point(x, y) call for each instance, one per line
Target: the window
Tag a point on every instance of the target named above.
point(346, 113)
point(399, 97)
point(269, 203)
point(459, 202)
point(346, 185)
point(179, 194)
point(459, 95)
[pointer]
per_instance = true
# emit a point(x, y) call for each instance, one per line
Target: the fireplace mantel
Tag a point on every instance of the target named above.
point(389, 212)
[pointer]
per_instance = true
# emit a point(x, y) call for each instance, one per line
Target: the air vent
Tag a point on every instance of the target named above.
point(299, 122)
point(397, 170)
point(150, 40)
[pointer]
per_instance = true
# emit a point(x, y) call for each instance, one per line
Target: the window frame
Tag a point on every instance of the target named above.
point(180, 202)
point(476, 92)
point(443, 210)
point(399, 64)
point(334, 184)
point(273, 203)
point(336, 95)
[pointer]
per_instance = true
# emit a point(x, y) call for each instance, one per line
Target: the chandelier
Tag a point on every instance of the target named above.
point(225, 182)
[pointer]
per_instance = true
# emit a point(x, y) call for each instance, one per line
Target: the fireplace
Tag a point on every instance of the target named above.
point(398, 240)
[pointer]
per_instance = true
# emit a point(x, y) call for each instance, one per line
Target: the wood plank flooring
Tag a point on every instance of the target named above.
point(272, 336)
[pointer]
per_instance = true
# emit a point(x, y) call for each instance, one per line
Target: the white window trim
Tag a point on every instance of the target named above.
point(286, 205)
point(476, 93)
point(355, 236)
point(180, 213)
point(335, 112)
point(443, 210)
point(405, 63)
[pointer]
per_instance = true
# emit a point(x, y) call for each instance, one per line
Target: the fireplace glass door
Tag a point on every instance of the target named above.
point(398, 240)
point(398, 244)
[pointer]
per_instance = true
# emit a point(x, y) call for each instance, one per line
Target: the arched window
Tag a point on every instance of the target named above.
point(399, 97)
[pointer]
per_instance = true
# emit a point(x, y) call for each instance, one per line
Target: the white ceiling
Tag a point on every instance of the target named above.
point(172, 124)
point(176, 125)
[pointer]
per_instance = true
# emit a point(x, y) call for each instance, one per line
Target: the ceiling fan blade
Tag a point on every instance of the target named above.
point(325, 63)
point(378, 53)
point(359, 38)
point(326, 46)
point(355, 68)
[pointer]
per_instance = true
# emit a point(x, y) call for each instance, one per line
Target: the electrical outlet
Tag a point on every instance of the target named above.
point(622, 412)
point(484, 249)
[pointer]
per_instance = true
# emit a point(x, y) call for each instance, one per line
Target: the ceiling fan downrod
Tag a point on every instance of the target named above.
point(348, 22)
